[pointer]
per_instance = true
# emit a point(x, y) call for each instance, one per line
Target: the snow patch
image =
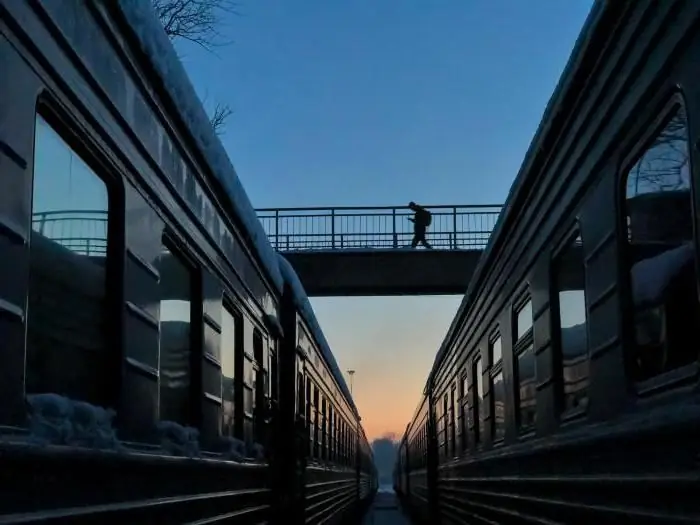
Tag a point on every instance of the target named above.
point(49, 419)
point(256, 452)
point(652, 276)
point(58, 420)
point(178, 440)
point(302, 302)
point(232, 448)
point(157, 47)
point(92, 427)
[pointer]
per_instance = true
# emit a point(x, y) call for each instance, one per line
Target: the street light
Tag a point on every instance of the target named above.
point(351, 373)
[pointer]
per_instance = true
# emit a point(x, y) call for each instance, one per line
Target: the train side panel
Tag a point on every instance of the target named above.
point(567, 393)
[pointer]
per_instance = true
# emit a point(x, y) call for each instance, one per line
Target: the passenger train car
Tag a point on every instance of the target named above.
point(567, 388)
point(160, 362)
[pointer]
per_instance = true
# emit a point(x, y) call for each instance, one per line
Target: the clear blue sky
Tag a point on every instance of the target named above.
point(378, 102)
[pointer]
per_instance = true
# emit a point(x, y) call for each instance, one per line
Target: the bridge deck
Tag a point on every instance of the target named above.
point(345, 273)
point(367, 251)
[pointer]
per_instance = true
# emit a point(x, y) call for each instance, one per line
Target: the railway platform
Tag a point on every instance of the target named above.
point(385, 510)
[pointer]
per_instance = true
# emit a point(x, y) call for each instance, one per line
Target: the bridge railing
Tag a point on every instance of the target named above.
point(343, 228)
point(81, 231)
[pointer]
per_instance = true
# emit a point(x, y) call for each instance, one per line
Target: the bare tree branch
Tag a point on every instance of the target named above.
point(197, 21)
point(194, 20)
point(665, 164)
point(218, 120)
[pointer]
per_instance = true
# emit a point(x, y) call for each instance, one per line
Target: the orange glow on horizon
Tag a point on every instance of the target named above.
point(390, 343)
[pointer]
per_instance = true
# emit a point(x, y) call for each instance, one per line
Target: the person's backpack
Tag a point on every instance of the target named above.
point(427, 217)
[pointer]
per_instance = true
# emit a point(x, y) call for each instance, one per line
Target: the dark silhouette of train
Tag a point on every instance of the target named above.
point(161, 363)
point(567, 388)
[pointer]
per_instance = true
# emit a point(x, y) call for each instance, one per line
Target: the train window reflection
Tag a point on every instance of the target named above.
point(480, 413)
point(463, 409)
point(499, 406)
point(68, 352)
point(496, 351)
point(526, 388)
point(229, 348)
point(523, 353)
point(176, 285)
point(660, 253)
point(524, 319)
point(573, 337)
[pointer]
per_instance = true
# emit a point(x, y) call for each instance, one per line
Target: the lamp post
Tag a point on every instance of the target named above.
point(351, 373)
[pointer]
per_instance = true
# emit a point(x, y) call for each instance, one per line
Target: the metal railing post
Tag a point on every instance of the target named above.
point(277, 227)
point(332, 228)
point(454, 228)
point(472, 233)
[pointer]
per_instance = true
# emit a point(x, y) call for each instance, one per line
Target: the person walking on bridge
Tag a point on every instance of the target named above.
point(421, 220)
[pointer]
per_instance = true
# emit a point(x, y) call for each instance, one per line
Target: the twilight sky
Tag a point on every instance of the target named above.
point(379, 102)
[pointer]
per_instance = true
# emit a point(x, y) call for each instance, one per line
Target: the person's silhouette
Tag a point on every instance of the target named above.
point(421, 220)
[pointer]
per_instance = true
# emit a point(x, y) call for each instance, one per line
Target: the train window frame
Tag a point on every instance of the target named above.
point(175, 245)
point(230, 307)
point(520, 345)
point(572, 233)
point(464, 410)
point(324, 427)
point(633, 150)
point(454, 436)
point(477, 408)
point(442, 425)
point(494, 370)
point(317, 417)
point(81, 139)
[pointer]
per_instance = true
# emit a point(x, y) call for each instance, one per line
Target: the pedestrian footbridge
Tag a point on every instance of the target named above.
point(364, 251)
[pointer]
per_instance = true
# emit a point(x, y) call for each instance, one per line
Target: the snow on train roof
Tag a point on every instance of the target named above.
point(307, 312)
point(157, 47)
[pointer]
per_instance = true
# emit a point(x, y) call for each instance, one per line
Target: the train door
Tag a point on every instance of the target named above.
point(17, 110)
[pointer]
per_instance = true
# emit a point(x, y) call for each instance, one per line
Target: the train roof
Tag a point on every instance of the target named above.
point(594, 34)
point(157, 47)
point(307, 312)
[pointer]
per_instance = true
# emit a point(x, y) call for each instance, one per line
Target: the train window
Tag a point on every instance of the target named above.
point(336, 434)
point(570, 278)
point(496, 351)
point(317, 415)
point(479, 412)
point(445, 425)
point(308, 403)
point(229, 324)
point(523, 352)
point(330, 431)
point(498, 388)
point(274, 377)
point(176, 296)
point(660, 253)
point(337, 443)
point(248, 396)
point(463, 410)
point(324, 429)
point(300, 395)
point(260, 389)
point(68, 349)
point(524, 319)
point(453, 434)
